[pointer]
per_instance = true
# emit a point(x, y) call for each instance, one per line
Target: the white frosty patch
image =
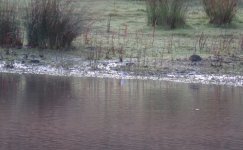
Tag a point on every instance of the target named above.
point(1, 65)
point(106, 70)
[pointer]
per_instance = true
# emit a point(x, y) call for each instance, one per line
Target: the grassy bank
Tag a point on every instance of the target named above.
point(118, 29)
point(130, 36)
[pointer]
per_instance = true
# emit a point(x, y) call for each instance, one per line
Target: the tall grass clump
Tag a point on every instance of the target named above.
point(10, 34)
point(170, 13)
point(53, 24)
point(220, 12)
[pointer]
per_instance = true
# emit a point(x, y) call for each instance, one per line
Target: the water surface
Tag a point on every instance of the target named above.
point(40, 112)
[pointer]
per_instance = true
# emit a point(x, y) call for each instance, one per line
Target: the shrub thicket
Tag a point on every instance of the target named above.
point(170, 13)
point(220, 11)
point(53, 23)
point(10, 35)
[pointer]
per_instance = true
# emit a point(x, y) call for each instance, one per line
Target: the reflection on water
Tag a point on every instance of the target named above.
point(47, 113)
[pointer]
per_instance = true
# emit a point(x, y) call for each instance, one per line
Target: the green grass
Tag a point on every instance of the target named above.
point(133, 15)
point(140, 42)
point(129, 12)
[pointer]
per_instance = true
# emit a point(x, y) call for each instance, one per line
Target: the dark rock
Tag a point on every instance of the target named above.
point(91, 48)
point(165, 68)
point(216, 64)
point(9, 65)
point(195, 58)
point(35, 61)
point(105, 63)
point(216, 58)
point(120, 59)
point(33, 56)
point(7, 52)
point(216, 61)
point(41, 56)
point(182, 71)
point(25, 56)
point(19, 46)
point(14, 53)
point(227, 60)
point(29, 46)
point(129, 64)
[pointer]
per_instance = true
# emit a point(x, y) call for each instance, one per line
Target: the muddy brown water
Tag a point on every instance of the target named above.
point(40, 112)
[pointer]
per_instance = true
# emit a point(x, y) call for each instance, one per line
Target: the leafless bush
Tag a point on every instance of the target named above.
point(220, 11)
point(53, 23)
point(10, 35)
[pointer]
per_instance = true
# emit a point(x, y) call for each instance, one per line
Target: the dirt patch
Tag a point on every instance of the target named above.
point(226, 71)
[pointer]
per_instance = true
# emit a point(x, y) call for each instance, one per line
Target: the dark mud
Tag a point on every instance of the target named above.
point(60, 63)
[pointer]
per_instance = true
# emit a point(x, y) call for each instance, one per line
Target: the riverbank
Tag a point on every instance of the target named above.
point(61, 63)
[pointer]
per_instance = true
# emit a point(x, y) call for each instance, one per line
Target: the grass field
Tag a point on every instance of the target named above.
point(130, 35)
point(118, 29)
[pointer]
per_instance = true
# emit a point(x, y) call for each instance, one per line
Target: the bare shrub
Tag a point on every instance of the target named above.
point(10, 35)
point(220, 11)
point(53, 23)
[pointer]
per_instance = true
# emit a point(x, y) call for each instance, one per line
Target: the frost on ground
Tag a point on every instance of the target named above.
point(112, 69)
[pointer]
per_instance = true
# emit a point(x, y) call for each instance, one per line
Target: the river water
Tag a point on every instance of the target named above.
point(41, 112)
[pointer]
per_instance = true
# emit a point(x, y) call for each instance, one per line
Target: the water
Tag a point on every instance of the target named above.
point(40, 112)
